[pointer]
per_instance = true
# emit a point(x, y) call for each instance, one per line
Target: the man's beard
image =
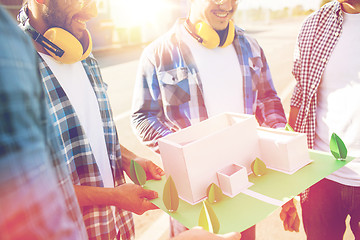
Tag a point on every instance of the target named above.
point(53, 18)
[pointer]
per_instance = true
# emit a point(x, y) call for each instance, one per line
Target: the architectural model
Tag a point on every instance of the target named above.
point(221, 149)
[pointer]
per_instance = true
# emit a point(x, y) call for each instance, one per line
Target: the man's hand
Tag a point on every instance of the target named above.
point(290, 217)
point(198, 233)
point(133, 198)
point(152, 170)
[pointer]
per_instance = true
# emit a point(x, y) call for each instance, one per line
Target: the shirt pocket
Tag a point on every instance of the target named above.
point(174, 85)
point(255, 65)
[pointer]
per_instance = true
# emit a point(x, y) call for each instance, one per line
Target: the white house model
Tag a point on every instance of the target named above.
point(221, 148)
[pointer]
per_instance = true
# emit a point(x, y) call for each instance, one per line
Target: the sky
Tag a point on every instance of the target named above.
point(278, 4)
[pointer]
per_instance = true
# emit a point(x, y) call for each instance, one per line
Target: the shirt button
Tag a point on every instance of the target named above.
point(313, 85)
point(324, 60)
point(336, 34)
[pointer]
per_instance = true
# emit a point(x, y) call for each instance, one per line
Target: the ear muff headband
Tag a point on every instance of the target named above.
point(73, 50)
point(59, 43)
point(207, 36)
point(230, 35)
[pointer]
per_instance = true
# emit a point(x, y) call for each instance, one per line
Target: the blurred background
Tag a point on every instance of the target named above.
point(122, 23)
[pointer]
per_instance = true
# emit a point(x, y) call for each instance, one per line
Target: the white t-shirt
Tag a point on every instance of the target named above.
point(76, 84)
point(220, 74)
point(338, 107)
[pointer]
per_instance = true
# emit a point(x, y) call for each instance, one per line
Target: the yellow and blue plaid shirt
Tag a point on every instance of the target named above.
point(78, 154)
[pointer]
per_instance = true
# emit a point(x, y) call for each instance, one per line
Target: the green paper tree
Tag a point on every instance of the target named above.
point(289, 128)
point(214, 193)
point(170, 195)
point(258, 167)
point(137, 173)
point(337, 147)
point(208, 219)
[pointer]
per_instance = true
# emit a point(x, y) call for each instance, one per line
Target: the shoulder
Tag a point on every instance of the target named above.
point(320, 17)
point(247, 41)
point(162, 51)
point(167, 41)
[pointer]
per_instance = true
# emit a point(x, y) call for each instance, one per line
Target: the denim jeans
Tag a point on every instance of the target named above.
point(325, 207)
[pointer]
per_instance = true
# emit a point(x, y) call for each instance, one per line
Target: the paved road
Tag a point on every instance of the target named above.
point(119, 70)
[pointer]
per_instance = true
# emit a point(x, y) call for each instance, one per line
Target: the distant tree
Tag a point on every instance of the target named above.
point(323, 2)
point(298, 10)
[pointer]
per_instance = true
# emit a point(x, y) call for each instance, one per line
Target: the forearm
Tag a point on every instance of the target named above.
point(130, 197)
point(90, 196)
point(149, 128)
point(126, 157)
point(294, 111)
point(270, 111)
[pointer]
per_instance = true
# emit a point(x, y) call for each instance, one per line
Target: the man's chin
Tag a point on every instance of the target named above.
point(220, 28)
point(81, 36)
point(84, 40)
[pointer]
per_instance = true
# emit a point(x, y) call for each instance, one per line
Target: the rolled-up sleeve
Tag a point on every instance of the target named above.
point(147, 112)
point(269, 111)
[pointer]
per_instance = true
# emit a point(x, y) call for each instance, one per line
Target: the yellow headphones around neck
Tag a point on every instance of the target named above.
point(59, 43)
point(73, 50)
point(207, 36)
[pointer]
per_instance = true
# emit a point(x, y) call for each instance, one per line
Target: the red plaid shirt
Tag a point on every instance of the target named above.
point(316, 41)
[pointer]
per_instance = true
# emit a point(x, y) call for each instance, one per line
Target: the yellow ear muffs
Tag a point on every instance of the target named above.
point(210, 39)
point(73, 50)
point(209, 36)
point(230, 35)
point(89, 48)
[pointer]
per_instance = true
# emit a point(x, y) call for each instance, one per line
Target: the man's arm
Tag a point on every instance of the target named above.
point(130, 197)
point(269, 110)
point(147, 106)
point(294, 111)
point(152, 170)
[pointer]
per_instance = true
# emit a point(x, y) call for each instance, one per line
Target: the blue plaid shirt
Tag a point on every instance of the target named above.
point(78, 154)
point(37, 199)
point(163, 103)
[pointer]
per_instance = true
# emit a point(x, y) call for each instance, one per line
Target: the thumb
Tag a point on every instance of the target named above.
point(149, 194)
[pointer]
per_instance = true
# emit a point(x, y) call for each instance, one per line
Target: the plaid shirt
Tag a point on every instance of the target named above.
point(79, 157)
point(168, 92)
point(315, 43)
point(37, 199)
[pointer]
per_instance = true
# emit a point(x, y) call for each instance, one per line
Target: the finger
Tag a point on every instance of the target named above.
point(158, 172)
point(291, 220)
point(282, 215)
point(291, 211)
point(231, 236)
point(149, 194)
point(286, 207)
point(287, 226)
point(147, 205)
point(154, 171)
point(296, 224)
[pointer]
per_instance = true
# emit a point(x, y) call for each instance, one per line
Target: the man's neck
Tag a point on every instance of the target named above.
point(38, 24)
point(351, 7)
